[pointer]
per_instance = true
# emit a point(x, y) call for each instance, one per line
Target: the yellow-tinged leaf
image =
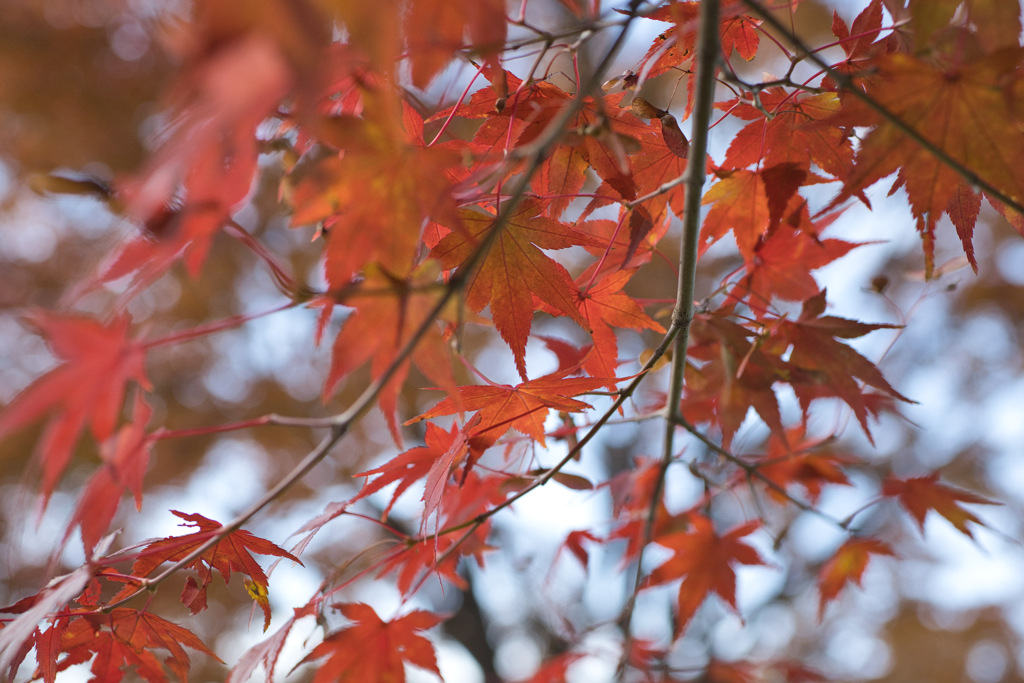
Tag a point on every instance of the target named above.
point(259, 592)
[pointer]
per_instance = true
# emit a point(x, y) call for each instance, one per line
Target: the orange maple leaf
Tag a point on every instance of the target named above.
point(847, 564)
point(704, 561)
point(515, 269)
point(740, 33)
point(740, 205)
point(388, 310)
point(524, 407)
point(376, 195)
point(87, 388)
point(799, 130)
point(921, 494)
point(970, 111)
point(373, 649)
point(605, 305)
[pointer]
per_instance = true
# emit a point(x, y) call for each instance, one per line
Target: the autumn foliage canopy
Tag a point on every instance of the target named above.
point(473, 180)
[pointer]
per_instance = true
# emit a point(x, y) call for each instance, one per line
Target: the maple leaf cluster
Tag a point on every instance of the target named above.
point(531, 211)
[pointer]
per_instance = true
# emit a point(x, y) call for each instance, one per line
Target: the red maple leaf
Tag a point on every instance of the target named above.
point(443, 451)
point(373, 649)
point(600, 133)
point(441, 554)
point(857, 42)
point(847, 564)
point(515, 269)
point(657, 163)
point(788, 129)
point(736, 374)
point(674, 47)
point(616, 249)
point(781, 266)
point(825, 366)
point(919, 495)
point(87, 388)
point(125, 460)
point(232, 553)
point(798, 461)
point(704, 561)
point(126, 638)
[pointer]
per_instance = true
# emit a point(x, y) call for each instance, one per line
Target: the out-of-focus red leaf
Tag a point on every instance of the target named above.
point(803, 462)
point(574, 544)
point(967, 109)
point(847, 564)
point(125, 460)
point(435, 30)
point(828, 366)
point(373, 649)
point(737, 373)
point(87, 388)
point(388, 310)
point(267, 652)
point(919, 495)
point(781, 267)
point(375, 196)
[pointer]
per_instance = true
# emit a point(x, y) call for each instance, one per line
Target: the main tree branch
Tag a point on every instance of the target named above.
point(682, 315)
